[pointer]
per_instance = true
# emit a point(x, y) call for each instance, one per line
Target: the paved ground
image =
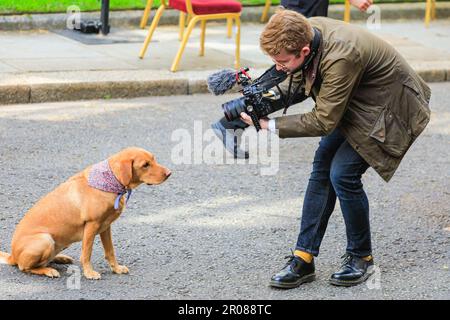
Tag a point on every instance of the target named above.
point(42, 58)
point(220, 231)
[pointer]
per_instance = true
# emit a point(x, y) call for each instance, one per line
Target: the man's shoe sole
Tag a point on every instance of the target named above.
point(350, 283)
point(237, 154)
point(304, 279)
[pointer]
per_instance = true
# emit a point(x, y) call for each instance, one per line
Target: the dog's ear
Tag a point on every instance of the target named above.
point(124, 171)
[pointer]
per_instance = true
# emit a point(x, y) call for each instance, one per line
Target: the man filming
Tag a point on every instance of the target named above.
point(370, 106)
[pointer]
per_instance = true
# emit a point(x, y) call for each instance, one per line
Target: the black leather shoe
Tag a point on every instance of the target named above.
point(353, 271)
point(296, 272)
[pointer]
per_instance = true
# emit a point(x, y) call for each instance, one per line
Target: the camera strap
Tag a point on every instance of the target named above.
point(290, 96)
point(314, 46)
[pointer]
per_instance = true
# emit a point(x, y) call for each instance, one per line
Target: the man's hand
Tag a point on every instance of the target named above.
point(362, 5)
point(264, 122)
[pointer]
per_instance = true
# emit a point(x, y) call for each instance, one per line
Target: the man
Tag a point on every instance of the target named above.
point(370, 106)
point(314, 8)
point(308, 8)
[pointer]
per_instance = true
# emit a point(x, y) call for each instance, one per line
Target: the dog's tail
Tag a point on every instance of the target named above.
point(5, 258)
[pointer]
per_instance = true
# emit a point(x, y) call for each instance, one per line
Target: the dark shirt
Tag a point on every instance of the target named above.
point(309, 8)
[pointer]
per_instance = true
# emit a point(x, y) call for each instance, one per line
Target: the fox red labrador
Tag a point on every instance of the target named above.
point(79, 209)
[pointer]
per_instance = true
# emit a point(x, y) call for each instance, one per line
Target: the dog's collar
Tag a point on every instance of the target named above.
point(101, 177)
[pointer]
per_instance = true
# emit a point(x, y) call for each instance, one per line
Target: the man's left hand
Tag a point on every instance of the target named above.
point(264, 122)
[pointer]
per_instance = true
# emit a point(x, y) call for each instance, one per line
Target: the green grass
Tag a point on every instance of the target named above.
point(48, 6)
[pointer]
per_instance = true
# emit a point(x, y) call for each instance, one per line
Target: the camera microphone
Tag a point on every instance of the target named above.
point(221, 81)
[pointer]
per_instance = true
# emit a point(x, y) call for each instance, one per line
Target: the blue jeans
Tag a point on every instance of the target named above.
point(337, 171)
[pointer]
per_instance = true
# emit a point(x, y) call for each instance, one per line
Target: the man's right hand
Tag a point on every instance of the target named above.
point(264, 122)
point(362, 5)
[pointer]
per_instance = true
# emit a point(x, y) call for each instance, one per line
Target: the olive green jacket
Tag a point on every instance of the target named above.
point(362, 85)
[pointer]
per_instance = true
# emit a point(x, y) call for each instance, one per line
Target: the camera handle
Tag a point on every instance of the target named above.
point(254, 117)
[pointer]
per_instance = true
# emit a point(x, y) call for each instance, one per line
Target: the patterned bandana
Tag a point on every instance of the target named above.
point(101, 177)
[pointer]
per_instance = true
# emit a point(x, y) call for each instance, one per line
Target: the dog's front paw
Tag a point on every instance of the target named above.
point(51, 273)
point(120, 269)
point(92, 275)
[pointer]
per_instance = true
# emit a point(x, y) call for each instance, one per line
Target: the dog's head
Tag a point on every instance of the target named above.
point(133, 166)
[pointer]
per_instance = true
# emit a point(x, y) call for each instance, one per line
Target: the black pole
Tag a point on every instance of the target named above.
point(104, 17)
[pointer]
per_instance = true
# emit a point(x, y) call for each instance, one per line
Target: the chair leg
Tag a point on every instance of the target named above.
point(428, 13)
point(153, 26)
point(182, 25)
point(433, 9)
point(186, 35)
point(347, 11)
point(237, 62)
point(144, 18)
point(266, 11)
point(229, 27)
point(202, 38)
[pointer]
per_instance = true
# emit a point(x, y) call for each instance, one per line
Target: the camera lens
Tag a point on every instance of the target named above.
point(232, 109)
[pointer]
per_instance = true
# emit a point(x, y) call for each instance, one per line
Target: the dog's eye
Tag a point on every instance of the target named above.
point(146, 165)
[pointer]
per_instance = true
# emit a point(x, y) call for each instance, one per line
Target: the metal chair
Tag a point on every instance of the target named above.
point(148, 8)
point(197, 11)
point(266, 10)
point(430, 11)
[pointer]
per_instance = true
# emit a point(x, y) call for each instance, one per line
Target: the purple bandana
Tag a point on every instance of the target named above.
point(101, 177)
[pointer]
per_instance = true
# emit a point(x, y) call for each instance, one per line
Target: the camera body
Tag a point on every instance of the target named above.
point(258, 100)
point(89, 26)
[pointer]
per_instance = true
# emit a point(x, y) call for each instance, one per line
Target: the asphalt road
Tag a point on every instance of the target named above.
point(219, 231)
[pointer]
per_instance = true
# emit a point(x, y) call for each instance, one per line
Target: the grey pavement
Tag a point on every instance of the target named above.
point(220, 231)
point(42, 66)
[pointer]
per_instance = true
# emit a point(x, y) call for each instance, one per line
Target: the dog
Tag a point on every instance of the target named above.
point(79, 209)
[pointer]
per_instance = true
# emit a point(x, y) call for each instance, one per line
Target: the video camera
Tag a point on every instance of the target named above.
point(258, 100)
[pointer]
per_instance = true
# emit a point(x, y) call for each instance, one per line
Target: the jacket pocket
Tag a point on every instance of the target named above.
point(390, 134)
point(419, 111)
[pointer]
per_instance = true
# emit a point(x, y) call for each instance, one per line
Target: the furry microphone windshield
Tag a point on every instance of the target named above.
point(221, 81)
